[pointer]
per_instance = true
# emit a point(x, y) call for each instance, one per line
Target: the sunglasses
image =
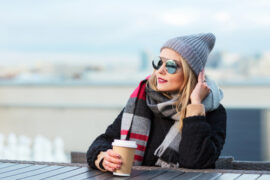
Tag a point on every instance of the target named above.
point(171, 65)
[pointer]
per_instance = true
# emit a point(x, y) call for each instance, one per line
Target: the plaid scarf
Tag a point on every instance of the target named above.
point(138, 112)
point(136, 120)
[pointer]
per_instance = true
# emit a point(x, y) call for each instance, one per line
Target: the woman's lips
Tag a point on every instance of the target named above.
point(160, 80)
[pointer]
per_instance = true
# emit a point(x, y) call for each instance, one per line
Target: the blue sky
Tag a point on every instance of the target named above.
point(124, 28)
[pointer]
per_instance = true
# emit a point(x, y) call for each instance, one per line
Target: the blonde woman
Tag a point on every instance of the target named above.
point(175, 115)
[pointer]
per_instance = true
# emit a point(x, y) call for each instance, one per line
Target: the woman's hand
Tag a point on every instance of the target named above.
point(112, 161)
point(200, 91)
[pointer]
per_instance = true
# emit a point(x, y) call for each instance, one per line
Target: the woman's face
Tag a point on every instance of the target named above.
point(169, 82)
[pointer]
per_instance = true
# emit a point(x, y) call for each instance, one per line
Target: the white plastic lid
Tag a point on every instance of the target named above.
point(124, 143)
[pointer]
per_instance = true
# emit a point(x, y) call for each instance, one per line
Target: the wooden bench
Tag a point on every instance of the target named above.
point(224, 162)
point(78, 157)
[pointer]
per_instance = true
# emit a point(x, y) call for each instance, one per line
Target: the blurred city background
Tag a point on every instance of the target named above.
point(67, 68)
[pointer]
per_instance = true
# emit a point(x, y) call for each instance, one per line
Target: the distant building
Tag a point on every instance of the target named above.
point(144, 61)
point(214, 61)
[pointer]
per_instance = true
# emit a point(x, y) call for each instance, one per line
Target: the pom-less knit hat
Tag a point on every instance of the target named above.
point(193, 48)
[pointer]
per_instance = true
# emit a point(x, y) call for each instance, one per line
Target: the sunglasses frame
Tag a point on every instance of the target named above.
point(177, 66)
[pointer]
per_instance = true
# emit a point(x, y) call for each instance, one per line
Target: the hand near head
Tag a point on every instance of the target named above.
point(112, 161)
point(200, 91)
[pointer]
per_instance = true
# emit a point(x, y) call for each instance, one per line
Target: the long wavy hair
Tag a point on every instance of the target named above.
point(189, 83)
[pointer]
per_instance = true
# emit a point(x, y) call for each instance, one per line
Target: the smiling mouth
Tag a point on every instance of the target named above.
point(160, 80)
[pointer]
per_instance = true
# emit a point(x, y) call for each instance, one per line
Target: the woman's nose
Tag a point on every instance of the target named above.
point(162, 69)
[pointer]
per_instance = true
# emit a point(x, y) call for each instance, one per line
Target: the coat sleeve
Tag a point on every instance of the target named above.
point(104, 141)
point(203, 138)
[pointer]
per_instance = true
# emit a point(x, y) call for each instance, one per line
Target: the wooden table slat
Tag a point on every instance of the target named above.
point(134, 173)
point(226, 176)
point(264, 177)
point(4, 165)
point(86, 175)
point(207, 176)
point(150, 174)
point(36, 172)
point(188, 175)
point(69, 174)
point(248, 177)
point(102, 176)
point(13, 168)
point(20, 171)
point(52, 173)
point(170, 174)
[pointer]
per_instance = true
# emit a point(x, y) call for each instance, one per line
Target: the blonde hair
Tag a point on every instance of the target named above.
point(189, 83)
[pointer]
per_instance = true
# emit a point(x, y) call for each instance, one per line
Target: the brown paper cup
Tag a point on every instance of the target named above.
point(126, 149)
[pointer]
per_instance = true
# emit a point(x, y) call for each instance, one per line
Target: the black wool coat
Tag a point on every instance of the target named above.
point(202, 140)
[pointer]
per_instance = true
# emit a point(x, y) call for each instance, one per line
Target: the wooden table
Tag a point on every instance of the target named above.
point(42, 170)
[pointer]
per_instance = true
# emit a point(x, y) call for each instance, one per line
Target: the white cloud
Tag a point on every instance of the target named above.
point(222, 17)
point(179, 18)
point(259, 19)
point(83, 24)
point(224, 21)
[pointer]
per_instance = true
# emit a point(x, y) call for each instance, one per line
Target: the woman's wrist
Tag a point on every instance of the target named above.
point(196, 101)
point(195, 110)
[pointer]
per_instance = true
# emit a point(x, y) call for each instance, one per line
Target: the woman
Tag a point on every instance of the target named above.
point(175, 115)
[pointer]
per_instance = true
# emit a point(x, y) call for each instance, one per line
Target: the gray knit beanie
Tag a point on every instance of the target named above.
point(193, 48)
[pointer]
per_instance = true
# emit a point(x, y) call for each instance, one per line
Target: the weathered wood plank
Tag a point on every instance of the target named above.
point(69, 174)
point(207, 176)
point(170, 174)
point(52, 173)
point(187, 175)
point(226, 176)
point(4, 165)
point(149, 174)
point(36, 172)
point(264, 177)
point(32, 170)
point(248, 177)
point(102, 176)
point(20, 171)
point(88, 174)
point(13, 168)
point(134, 173)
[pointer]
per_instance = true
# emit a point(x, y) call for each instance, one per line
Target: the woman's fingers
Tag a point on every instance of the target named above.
point(106, 166)
point(201, 89)
point(206, 88)
point(113, 154)
point(112, 161)
point(114, 157)
point(201, 77)
point(110, 166)
point(200, 80)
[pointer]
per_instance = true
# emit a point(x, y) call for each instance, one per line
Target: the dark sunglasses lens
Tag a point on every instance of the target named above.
point(171, 66)
point(157, 63)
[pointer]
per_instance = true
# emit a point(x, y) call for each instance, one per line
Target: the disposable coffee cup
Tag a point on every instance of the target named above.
point(126, 149)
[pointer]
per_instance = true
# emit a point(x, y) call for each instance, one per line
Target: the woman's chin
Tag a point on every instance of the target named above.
point(166, 89)
point(162, 88)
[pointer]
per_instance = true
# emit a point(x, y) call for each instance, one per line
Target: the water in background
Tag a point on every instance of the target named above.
point(247, 137)
point(40, 148)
